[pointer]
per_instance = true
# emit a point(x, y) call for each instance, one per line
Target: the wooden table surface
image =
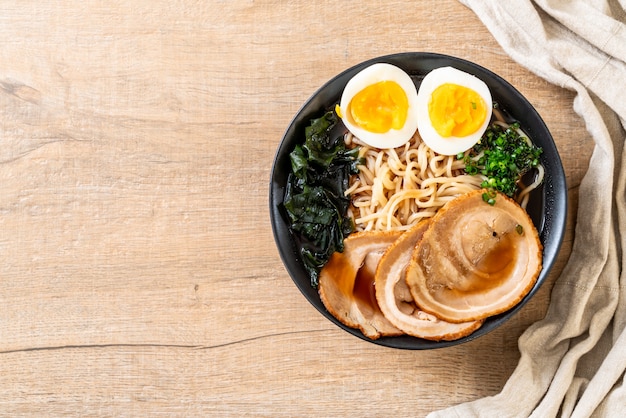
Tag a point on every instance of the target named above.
point(139, 275)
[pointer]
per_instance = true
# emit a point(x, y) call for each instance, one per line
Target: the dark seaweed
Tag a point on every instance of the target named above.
point(315, 198)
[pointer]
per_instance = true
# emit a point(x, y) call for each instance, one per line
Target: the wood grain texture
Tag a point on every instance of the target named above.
point(139, 272)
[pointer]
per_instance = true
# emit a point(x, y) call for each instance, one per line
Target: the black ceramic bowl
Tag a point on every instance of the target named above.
point(547, 206)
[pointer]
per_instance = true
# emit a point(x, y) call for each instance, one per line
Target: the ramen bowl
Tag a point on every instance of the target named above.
point(547, 206)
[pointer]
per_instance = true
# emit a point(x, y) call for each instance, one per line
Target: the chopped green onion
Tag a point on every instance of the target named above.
point(506, 157)
point(488, 199)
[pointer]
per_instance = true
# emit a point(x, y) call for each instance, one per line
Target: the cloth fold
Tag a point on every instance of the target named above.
point(572, 362)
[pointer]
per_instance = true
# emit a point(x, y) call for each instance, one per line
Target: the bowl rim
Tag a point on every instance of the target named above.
point(554, 190)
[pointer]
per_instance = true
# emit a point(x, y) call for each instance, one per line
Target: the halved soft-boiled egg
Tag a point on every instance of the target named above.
point(453, 110)
point(378, 106)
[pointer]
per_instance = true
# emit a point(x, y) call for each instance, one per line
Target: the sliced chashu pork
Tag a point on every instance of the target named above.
point(475, 260)
point(395, 300)
point(346, 283)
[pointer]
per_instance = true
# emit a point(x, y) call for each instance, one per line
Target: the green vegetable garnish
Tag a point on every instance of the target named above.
point(506, 157)
point(315, 198)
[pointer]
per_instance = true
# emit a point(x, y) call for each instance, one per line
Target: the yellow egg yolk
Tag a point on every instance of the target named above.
point(379, 107)
point(456, 110)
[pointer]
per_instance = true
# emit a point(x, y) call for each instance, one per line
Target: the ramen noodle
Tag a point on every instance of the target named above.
point(398, 187)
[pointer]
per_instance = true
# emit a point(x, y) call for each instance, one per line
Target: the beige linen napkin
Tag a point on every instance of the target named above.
point(572, 362)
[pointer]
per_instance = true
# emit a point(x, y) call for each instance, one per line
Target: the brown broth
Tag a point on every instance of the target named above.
point(497, 263)
point(364, 290)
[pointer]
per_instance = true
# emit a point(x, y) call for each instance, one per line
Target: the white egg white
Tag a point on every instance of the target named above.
point(371, 75)
point(449, 145)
